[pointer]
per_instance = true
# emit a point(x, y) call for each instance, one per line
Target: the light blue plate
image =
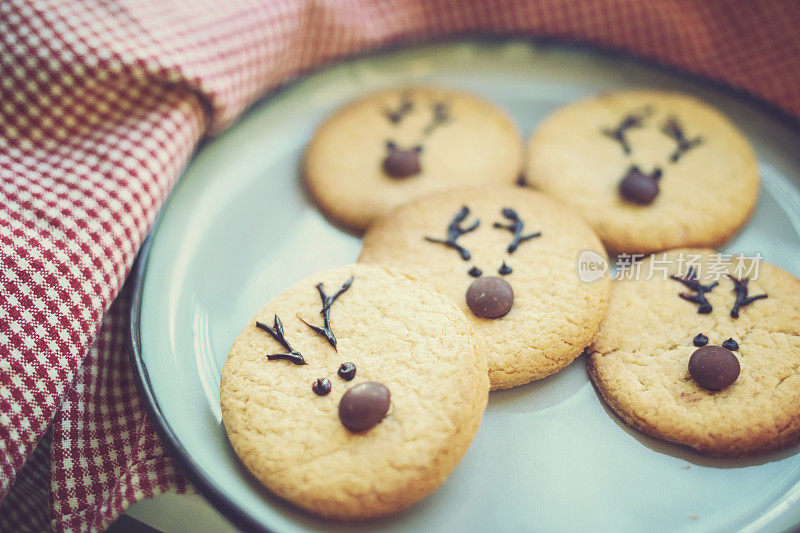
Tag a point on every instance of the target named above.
point(549, 456)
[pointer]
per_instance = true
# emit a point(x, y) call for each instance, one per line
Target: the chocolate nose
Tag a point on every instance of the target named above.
point(364, 405)
point(638, 187)
point(402, 163)
point(490, 297)
point(714, 367)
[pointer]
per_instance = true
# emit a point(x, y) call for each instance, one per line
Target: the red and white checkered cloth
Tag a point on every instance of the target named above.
point(101, 105)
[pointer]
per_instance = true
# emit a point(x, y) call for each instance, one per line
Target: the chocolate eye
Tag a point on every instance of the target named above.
point(321, 386)
point(390, 145)
point(731, 345)
point(505, 270)
point(475, 272)
point(700, 340)
point(417, 148)
point(347, 371)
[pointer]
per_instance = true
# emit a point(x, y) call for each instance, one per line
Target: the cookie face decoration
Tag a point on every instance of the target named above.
point(642, 187)
point(714, 367)
point(354, 374)
point(649, 170)
point(487, 297)
point(399, 144)
point(508, 258)
point(707, 356)
point(362, 406)
point(405, 162)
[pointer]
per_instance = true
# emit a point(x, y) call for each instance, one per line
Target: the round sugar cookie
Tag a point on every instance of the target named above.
point(389, 147)
point(354, 392)
point(648, 170)
point(703, 350)
point(509, 258)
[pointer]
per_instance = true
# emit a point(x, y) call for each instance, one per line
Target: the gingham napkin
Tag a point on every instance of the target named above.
point(101, 106)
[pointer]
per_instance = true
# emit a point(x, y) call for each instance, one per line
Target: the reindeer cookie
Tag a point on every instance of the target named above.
point(508, 257)
point(706, 352)
point(648, 170)
point(389, 147)
point(355, 392)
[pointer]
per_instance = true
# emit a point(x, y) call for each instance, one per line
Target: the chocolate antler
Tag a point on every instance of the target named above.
point(441, 114)
point(691, 282)
point(515, 227)
point(405, 107)
point(327, 302)
point(742, 300)
point(672, 128)
point(454, 231)
point(276, 331)
point(632, 120)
